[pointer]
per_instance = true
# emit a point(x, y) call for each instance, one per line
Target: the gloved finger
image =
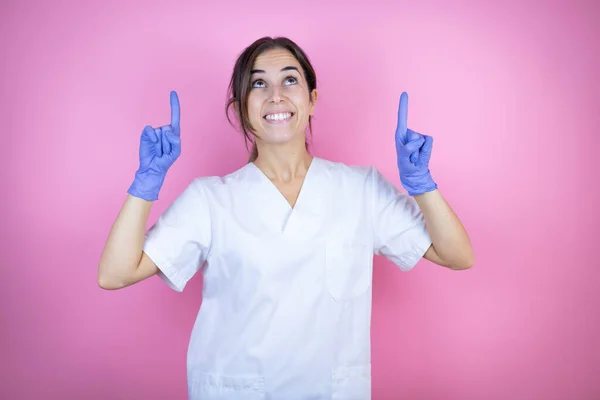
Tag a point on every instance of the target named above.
point(412, 135)
point(149, 134)
point(401, 133)
point(175, 141)
point(414, 145)
point(175, 111)
point(166, 145)
point(158, 144)
point(414, 157)
point(427, 148)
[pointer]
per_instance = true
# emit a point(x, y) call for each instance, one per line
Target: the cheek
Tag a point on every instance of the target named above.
point(254, 105)
point(301, 100)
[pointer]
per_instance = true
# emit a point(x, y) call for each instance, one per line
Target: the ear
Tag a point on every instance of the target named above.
point(313, 101)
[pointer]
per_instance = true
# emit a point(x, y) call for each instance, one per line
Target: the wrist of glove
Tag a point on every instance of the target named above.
point(146, 185)
point(416, 184)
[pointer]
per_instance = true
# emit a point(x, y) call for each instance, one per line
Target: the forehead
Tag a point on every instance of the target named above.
point(275, 59)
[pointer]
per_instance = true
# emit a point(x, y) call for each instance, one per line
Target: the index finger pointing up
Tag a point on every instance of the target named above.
point(401, 128)
point(175, 111)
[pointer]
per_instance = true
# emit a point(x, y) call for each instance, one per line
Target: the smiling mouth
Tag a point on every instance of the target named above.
point(277, 118)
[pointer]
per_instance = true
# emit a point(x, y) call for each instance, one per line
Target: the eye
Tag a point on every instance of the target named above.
point(291, 80)
point(254, 84)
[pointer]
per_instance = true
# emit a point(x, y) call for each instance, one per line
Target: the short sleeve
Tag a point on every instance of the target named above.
point(400, 233)
point(179, 242)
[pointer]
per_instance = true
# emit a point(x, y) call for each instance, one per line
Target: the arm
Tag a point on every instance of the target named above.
point(451, 245)
point(123, 262)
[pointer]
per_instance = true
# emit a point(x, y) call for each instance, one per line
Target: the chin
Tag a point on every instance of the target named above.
point(280, 137)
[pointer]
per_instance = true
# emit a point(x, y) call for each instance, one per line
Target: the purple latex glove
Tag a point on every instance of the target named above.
point(414, 151)
point(159, 148)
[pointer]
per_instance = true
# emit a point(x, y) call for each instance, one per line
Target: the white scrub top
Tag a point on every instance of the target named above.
point(286, 306)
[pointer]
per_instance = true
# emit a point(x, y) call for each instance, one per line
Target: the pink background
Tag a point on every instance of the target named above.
point(509, 91)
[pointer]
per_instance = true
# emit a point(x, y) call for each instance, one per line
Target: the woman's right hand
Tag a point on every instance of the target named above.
point(159, 148)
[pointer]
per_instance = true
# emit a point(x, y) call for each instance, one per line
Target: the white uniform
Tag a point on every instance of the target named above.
point(286, 306)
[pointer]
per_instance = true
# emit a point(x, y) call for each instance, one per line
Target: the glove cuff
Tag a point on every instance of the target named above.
point(146, 187)
point(419, 185)
point(422, 189)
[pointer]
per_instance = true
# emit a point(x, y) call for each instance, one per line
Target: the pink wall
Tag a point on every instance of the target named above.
point(508, 90)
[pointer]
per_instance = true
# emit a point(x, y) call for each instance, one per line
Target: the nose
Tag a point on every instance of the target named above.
point(275, 94)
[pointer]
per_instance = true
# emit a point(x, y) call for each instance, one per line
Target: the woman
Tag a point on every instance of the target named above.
point(286, 242)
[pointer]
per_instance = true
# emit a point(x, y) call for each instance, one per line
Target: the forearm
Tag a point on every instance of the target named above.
point(123, 249)
point(450, 239)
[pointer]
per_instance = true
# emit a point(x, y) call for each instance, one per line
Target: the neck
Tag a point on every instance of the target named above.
point(283, 162)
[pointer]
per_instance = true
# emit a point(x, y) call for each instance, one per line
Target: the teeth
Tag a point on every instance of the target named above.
point(278, 117)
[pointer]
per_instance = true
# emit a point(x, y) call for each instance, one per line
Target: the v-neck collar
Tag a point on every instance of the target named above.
point(273, 210)
point(305, 182)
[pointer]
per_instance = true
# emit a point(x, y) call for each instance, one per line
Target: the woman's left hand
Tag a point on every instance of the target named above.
point(414, 151)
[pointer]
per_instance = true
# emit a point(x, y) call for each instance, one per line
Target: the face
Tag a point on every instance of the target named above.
point(279, 103)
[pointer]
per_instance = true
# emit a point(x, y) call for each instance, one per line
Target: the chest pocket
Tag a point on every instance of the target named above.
point(349, 267)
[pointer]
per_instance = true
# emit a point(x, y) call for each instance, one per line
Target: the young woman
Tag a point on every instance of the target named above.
point(285, 243)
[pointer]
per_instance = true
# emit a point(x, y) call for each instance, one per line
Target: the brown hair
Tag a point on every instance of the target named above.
point(239, 85)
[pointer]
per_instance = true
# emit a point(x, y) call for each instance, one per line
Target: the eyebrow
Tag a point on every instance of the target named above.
point(288, 68)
